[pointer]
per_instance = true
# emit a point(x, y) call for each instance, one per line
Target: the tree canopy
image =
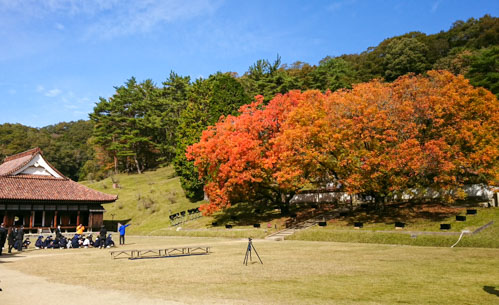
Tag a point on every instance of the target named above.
point(378, 139)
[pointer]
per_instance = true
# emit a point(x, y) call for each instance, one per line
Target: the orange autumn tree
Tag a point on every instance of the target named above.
point(235, 160)
point(383, 139)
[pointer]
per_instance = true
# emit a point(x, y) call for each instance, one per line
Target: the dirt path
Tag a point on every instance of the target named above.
point(22, 288)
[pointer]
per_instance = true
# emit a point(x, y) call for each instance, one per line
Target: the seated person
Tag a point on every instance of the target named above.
point(74, 242)
point(55, 243)
point(26, 243)
point(80, 240)
point(97, 242)
point(86, 243)
point(63, 242)
point(39, 242)
point(90, 239)
point(109, 242)
point(48, 243)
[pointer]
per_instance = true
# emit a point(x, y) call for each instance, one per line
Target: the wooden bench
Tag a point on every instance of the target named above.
point(156, 253)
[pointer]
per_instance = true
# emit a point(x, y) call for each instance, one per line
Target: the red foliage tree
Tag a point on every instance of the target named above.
point(235, 158)
point(378, 139)
point(383, 139)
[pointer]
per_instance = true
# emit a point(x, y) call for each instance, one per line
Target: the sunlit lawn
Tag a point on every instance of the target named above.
point(294, 272)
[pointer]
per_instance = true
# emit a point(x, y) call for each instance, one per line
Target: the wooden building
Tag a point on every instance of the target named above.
point(36, 195)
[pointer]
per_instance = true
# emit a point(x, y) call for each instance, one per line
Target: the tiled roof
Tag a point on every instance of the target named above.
point(30, 153)
point(41, 187)
point(16, 162)
point(31, 187)
point(10, 166)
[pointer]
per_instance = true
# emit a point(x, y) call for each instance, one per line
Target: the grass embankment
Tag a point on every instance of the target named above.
point(341, 230)
point(145, 200)
point(148, 199)
point(294, 272)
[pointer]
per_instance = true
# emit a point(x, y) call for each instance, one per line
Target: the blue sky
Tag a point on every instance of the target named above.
point(58, 57)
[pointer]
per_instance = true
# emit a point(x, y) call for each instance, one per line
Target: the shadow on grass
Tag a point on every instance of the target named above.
point(407, 212)
point(402, 212)
point(243, 214)
point(491, 290)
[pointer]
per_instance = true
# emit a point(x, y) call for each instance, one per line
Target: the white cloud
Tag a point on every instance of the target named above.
point(144, 16)
point(49, 93)
point(111, 18)
point(53, 92)
point(435, 6)
point(71, 7)
point(70, 106)
point(338, 5)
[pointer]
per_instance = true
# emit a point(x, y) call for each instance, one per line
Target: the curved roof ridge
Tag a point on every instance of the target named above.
point(16, 162)
point(31, 152)
point(12, 165)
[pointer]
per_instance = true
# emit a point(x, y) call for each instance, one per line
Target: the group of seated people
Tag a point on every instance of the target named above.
point(78, 241)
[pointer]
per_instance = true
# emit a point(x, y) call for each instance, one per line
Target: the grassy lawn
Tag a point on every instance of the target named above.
point(294, 272)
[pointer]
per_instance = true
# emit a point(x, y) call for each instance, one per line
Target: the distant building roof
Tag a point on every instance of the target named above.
point(28, 176)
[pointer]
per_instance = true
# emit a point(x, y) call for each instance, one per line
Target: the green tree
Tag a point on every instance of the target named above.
point(403, 56)
point(120, 128)
point(484, 69)
point(165, 115)
point(209, 99)
point(333, 74)
point(268, 79)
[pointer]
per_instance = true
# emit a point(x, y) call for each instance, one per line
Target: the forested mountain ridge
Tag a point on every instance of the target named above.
point(64, 144)
point(143, 125)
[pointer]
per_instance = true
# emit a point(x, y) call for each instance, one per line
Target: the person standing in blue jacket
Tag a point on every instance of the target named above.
point(122, 233)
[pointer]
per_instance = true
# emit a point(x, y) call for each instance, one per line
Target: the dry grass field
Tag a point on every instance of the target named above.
point(294, 272)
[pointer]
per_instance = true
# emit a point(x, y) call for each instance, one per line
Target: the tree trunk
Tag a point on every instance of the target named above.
point(137, 164)
point(379, 202)
point(115, 164)
point(284, 203)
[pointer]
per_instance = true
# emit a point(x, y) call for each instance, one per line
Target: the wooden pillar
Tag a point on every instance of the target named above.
point(78, 219)
point(32, 219)
point(43, 219)
point(55, 219)
point(4, 220)
point(90, 220)
point(9, 220)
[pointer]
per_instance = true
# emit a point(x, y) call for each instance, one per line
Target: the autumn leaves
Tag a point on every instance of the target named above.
point(379, 139)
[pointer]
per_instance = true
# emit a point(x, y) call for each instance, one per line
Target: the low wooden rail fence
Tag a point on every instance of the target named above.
point(155, 253)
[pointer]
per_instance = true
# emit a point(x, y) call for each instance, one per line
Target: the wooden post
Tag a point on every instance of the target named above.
point(90, 220)
point(55, 219)
point(43, 219)
point(32, 219)
point(78, 219)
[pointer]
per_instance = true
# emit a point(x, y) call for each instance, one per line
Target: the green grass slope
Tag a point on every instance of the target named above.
point(145, 200)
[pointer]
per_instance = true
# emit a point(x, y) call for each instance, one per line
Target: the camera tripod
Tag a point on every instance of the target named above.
point(248, 253)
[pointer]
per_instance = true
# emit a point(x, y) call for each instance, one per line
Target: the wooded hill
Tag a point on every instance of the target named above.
point(145, 125)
